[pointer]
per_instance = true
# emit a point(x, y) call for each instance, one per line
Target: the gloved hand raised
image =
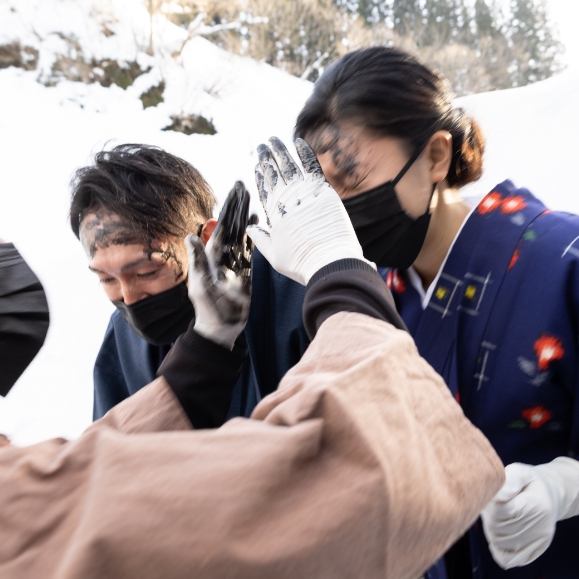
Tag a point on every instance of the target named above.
point(519, 523)
point(220, 275)
point(308, 225)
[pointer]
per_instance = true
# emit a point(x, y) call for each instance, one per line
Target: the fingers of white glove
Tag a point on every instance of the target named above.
point(239, 215)
point(262, 240)
point(517, 534)
point(502, 558)
point(518, 476)
point(532, 506)
point(231, 224)
point(200, 273)
point(530, 552)
point(270, 170)
point(262, 187)
point(503, 512)
point(509, 558)
point(289, 169)
point(521, 528)
point(309, 160)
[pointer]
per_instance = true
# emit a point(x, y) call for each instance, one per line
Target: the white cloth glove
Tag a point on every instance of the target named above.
point(519, 522)
point(308, 225)
point(219, 280)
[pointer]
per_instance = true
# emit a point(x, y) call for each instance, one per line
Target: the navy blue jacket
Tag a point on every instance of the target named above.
point(275, 336)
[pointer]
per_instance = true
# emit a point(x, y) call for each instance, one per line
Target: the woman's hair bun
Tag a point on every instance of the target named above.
point(468, 147)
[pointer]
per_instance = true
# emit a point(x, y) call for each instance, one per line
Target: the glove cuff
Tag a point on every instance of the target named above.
point(562, 476)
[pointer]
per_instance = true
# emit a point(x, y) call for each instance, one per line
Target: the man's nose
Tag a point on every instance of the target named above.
point(132, 295)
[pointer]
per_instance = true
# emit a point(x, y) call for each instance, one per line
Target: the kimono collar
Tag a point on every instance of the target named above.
point(414, 278)
point(470, 278)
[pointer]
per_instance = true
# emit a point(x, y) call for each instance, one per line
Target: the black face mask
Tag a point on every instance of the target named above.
point(162, 318)
point(388, 236)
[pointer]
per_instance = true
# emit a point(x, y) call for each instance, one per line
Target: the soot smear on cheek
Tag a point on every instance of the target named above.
point(100, 230)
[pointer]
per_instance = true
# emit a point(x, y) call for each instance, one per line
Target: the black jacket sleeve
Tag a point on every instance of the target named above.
point(348, 285)
point(203, 374)
point(23, 316)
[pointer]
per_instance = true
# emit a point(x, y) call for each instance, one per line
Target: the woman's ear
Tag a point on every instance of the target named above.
point(439, 151)
point(207, 230)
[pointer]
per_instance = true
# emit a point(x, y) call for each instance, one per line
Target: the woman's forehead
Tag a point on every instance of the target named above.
point(339, 147)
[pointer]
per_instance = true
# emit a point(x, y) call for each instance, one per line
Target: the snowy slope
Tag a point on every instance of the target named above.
point(47, 132)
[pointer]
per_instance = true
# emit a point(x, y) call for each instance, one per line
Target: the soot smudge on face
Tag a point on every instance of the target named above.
point(342, 146)
point(167, 255)
point(101, 229)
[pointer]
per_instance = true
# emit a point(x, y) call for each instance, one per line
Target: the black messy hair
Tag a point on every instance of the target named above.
point(391, 93)
point(158, 193)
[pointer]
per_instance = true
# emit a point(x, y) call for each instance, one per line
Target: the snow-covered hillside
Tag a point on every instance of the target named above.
point(48, 131)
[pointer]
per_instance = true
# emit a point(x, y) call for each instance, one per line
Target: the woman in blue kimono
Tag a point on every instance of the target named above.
point(491, 295)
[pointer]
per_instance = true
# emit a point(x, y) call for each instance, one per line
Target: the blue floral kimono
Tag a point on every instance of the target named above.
point(502, 328)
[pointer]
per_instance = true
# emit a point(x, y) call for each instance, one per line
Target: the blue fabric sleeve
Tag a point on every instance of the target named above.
point(110, 386)
point(125, 364)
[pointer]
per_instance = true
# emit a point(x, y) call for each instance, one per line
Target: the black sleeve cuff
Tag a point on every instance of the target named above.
point(23, 316)
point(340, 265)
point(348, 285)
point(202, 374)
point(9, 255)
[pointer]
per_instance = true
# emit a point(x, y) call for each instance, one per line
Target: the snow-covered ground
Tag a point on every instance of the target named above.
point(47, 132)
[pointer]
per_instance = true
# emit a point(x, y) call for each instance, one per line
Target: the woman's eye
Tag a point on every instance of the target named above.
point(106, 280)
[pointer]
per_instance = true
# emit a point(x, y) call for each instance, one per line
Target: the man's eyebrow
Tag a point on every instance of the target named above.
point(125, 267)
point(134, 263)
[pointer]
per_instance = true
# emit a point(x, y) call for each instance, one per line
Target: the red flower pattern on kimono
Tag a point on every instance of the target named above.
point(490, 202)
point(395, 282)
point(537, 416)
point(548, 348)
point(515, 258)
point(512, 204)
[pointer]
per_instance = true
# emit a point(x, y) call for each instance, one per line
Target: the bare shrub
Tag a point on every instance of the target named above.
point(14, 54)
point(191, 124)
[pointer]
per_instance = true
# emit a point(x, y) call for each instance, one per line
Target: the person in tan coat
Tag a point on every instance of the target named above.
point(360, 465)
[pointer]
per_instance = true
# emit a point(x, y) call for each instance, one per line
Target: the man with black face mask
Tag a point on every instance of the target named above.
point(132, 210)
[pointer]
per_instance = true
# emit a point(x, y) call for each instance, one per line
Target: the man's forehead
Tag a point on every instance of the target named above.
point(99, 217)
point(101, 229)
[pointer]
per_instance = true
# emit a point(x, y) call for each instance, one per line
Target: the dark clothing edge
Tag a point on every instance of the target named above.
point(203, 374)
point(24, 316)
point(348, 285)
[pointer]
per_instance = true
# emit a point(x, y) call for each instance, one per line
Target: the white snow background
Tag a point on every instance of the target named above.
point(47, 132)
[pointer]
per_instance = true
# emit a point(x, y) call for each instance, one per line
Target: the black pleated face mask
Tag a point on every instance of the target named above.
point(388, 235)
point(162, 318)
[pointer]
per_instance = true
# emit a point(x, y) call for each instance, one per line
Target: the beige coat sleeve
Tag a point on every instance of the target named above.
point(360, 466)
